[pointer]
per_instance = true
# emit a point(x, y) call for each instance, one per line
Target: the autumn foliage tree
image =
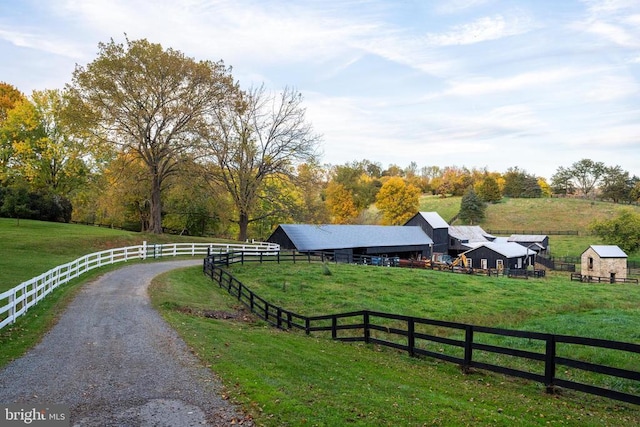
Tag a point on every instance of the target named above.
point(340, 203)
point(398, 201)
point(142, 99)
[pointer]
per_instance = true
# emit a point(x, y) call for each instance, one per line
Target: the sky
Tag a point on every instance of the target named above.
point(495, 84)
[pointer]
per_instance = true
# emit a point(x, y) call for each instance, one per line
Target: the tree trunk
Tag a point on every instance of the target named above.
point(156, 206)
point(243, 222)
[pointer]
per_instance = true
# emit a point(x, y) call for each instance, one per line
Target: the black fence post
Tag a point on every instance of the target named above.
point(239, 291)
point(367, 332)
point(278, 257)
point(293, 255)
point(411, 330)
point(550, 363)
point(279, 320)
point(307, 326)
point(261, 257)
point(251, 301)
point(334, 327)
point(468, 348)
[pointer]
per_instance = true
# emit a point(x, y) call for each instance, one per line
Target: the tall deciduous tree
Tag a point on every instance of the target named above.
point(398, 201)
point(488, 189)
point(47, 156)
point(587, 174)
point(148, 101)
point(254, 138)
point(340, 202)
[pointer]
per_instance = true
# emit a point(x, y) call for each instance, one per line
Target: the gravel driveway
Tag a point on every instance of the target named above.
point(115, 362)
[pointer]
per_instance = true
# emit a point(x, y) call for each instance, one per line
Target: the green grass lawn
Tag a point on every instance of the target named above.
point(34, 247)
point(290, 379)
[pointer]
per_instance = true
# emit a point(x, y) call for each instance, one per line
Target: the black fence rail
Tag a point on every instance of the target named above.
point(595, 279)
point(536, 232)
point(469, 346)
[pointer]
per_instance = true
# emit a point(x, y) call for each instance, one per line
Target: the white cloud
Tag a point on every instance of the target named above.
point(612, 87)
point(487, 85)
point(457, 6)
point(42, 42)
point(482, 29)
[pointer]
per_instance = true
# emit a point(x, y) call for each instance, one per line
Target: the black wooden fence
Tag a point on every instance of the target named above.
point(467, 345)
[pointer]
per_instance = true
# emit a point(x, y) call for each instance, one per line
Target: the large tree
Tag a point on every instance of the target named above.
point(398, 201)
point(255, 138)
point(45, 154)
point(141, 99)
point(587, 174)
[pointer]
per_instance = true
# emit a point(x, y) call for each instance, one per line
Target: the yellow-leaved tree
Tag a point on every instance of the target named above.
point(398, 201)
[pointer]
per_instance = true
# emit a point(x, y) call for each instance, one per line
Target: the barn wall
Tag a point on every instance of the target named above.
point(281, 238)
point(440, 236)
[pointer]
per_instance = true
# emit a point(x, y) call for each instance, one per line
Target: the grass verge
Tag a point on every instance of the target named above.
point(290, 379)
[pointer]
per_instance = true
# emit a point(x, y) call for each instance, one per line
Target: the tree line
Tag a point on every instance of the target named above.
point(149, 139)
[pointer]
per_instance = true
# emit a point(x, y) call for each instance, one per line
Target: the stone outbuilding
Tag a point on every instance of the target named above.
point(604, 261)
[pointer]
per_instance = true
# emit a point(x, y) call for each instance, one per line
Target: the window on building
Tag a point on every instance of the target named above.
point(590, 267)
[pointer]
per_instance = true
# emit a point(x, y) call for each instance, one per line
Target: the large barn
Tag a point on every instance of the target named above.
point(345, 241)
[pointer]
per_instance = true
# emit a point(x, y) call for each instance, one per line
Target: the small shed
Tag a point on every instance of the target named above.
point(435, 227)
point(604, 261)
point(536, 242)
point(345, 241)
point(499, 256)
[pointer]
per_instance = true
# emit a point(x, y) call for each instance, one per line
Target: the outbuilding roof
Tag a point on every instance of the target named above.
point(608, 251)
point(310, 237)
point(434, 219)
point(469, 233)
point(507, 249)
point(528, 238)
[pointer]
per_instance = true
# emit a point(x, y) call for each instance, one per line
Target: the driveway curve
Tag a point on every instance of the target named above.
point(115, 362)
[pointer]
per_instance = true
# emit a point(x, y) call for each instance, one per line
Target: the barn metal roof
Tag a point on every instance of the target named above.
point(527, 238)
point(608, 251)
point(470, 233)
point(434, 219)
point(310, 237)
point(507, 249)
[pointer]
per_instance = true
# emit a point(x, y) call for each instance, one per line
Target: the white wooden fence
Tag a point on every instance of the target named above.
point(16, 301)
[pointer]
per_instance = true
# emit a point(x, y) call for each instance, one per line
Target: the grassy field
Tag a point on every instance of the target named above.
point(290, 379)
point(34, 247)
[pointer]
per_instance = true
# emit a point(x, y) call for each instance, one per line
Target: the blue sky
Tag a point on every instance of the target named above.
point(478, 83)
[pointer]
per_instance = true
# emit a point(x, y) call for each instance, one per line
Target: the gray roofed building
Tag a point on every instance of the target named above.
point(604, 261)
point(356, 239)
point(508, 249)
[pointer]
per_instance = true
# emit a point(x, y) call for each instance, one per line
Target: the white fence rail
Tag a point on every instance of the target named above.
point(16, 301)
